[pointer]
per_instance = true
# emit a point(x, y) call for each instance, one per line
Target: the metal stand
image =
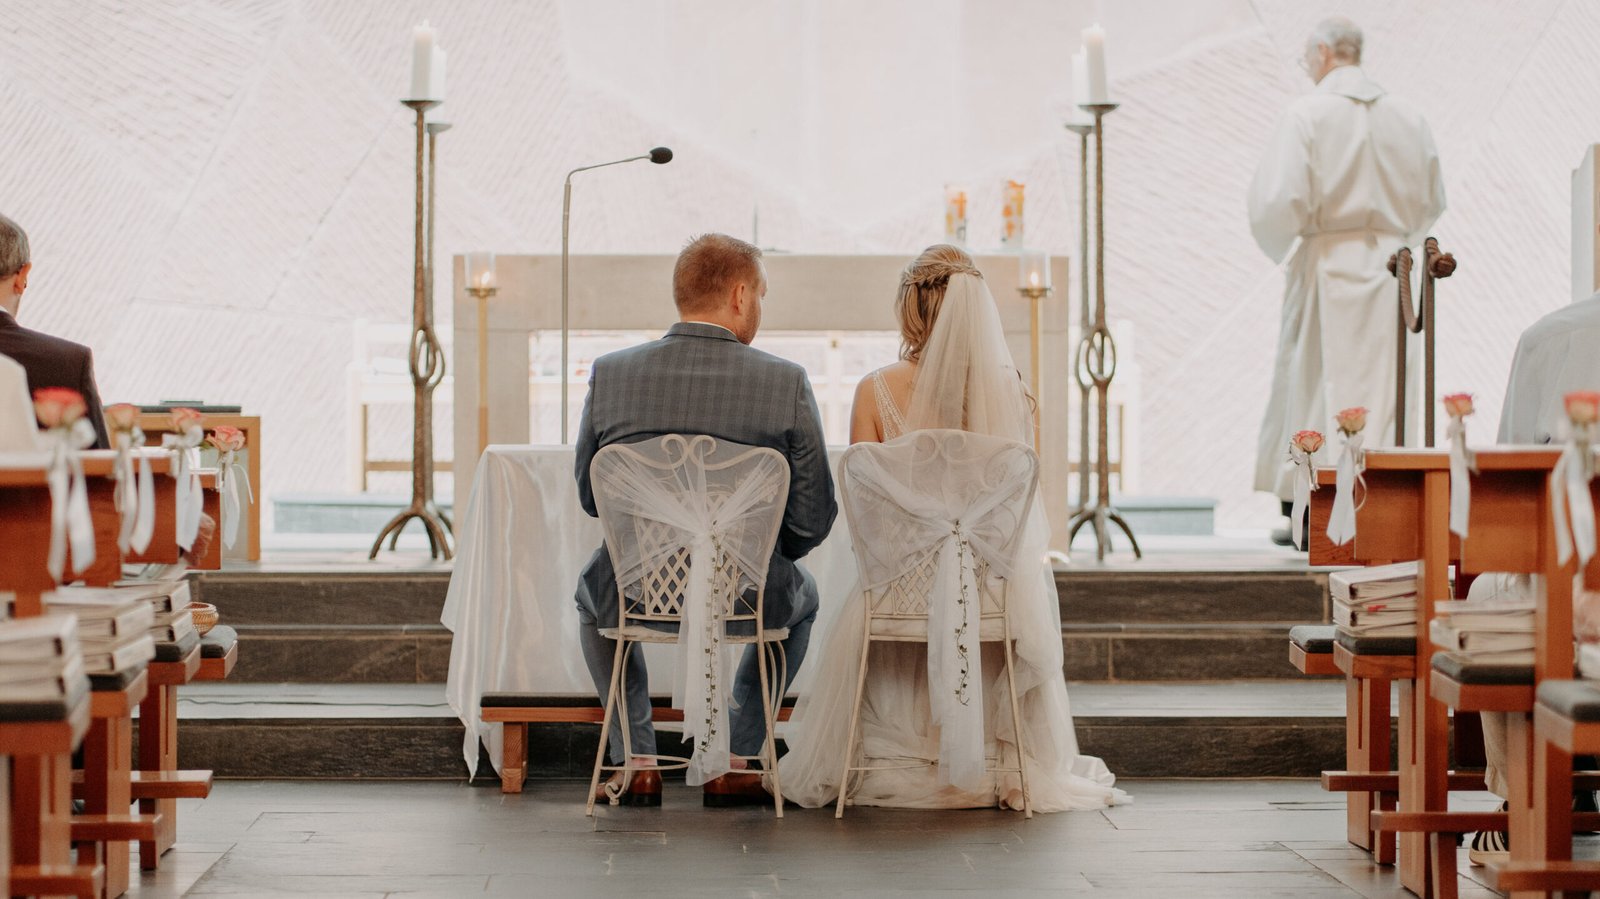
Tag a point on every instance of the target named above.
point(1435, 265)
point(1097, 364)
point(427, 356)
point(1035, 297)
point(1086, 318)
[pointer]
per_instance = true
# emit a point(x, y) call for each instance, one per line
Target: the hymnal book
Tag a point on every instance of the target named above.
point(1357, 617)
point(165, 594)
point(173, 626)
point(69, 681)
point(128, 653)
point(1478, 615)
point(1377, 582)
point(104, 612)
point(1447, 634)
point(41, 638)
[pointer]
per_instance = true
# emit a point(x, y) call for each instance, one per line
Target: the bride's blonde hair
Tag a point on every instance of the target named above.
point(922, 287)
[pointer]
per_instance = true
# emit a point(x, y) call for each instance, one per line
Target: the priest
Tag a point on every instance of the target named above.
point(1349, 177)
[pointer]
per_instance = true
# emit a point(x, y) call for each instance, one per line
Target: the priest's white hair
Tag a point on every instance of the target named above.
point(1340, 35)
point(13, 247)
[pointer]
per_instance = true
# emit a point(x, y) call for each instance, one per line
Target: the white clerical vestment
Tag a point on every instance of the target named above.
point(1352, 174)
point(19, 431)
point(1560, 353)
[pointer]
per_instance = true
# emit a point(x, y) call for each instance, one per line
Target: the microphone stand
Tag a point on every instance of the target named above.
point(566, 333)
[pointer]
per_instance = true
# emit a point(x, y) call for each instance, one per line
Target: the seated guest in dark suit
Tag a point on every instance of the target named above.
point(49, 361)
point(704, 378)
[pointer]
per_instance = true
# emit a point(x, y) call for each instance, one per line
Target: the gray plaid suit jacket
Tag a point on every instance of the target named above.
point(699, 379)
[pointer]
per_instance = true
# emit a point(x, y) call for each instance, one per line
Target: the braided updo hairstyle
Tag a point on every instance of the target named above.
point(922, 287)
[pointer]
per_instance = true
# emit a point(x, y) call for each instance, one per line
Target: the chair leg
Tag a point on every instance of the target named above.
point(763, 656)
point(855, 720)
point(513, 756)
point(1016, 722)
point(605, 727)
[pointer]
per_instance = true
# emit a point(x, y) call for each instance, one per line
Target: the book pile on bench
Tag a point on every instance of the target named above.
point(1380, 601)
point(41, 668)
point(113, 627)
point(169, 603)
point(1487, 631)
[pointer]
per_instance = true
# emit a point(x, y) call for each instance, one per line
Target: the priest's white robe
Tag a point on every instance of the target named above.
point(19, 430)
point(1558, 354)
point(1351, 173)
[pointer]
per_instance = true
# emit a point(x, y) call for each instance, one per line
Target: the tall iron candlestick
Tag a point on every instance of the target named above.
point(1435, 265)
point(1097, 364)
point(426, 356)
point(1086, 318)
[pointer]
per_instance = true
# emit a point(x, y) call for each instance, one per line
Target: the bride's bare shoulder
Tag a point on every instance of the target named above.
point(897, 374)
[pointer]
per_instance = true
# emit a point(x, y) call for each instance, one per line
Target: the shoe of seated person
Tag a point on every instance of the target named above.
point(1490, 845)
point(736, 788)
point(643, 788)
point(1282, 537)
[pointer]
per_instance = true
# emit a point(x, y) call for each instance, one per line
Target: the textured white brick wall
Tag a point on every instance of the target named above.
point(218, 189)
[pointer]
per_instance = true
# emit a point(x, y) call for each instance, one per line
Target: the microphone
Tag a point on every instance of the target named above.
point(659, 156)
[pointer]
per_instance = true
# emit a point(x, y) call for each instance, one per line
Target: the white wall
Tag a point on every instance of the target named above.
point(216, 190)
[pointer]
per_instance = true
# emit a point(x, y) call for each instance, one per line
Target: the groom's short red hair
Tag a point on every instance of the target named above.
point(709, 267)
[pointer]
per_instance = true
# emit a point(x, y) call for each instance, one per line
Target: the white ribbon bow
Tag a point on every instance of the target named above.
point(955, 663)
point(230, 475)
point(1463, 463)
point(1569, 494)
point(701, 690)
point(135, 495)
point(1305, 484)
point(189, 499)
point(1342, 519)
point(70, 522)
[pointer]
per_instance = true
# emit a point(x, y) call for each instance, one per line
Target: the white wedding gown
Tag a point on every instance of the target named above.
point(895, 716)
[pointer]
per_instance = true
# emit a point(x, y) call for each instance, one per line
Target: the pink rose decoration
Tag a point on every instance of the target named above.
point(122, 417)
point(1458, 405)
point(1352, 420)
point(184, 418)
point(58, 407)
point(227, 438)
point(1307, 442)
point(1583, 407)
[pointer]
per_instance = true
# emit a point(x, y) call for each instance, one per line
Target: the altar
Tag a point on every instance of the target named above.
point(805, 294)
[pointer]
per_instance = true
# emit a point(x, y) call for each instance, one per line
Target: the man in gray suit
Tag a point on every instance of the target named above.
point(704, 378)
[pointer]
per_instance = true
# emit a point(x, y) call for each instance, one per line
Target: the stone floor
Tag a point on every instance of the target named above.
point(335, 839)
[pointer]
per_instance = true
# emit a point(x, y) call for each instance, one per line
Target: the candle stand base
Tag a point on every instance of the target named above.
point(1102, 517)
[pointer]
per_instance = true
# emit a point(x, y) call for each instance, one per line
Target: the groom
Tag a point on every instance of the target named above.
point(704, 378)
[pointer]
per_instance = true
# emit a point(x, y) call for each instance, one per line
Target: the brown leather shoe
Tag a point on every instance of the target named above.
point(643, 790)
point(736, 788)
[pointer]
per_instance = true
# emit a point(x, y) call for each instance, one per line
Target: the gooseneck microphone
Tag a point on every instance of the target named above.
point(659, 156)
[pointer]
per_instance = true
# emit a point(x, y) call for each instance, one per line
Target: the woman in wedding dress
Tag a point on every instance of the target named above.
point(955, 372)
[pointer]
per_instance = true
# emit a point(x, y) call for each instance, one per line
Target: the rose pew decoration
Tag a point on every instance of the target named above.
point(231, 475)
point(1342, 519)
point(188, 433)
point(1569, 482)
point(61, 413)
point(136, 489)
point(1303, 448)
point(1463, 462)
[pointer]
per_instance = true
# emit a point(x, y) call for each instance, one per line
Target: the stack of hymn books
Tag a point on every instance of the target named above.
point(113, 626)
point(41, 667)
point(1494, 631)
point(169, 602)
point(1380, 601)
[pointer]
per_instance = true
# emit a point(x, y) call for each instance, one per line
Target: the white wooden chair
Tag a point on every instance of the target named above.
point(929, 498)
point(690, 526)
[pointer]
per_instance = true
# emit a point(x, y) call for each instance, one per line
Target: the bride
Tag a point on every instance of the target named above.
point(955, 372)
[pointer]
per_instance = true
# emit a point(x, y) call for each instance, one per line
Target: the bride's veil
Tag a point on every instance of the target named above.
point(965, 378)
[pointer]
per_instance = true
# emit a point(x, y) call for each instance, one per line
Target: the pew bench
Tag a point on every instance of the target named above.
point(40, 743)
point(103, 833)
point(1566, 722)
point(1311, 649)
point(517, 710)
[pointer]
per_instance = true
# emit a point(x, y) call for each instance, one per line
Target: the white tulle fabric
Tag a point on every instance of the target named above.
point(966, 381)
point(70, 522)
point(233, 482)
point(690, 526)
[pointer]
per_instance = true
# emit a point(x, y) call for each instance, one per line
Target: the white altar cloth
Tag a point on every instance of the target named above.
point(522, 541)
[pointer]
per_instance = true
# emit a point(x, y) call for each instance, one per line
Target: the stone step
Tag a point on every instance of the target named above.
point(1131, 595)
point(1278, 729)
point(355, 654)
point(332, 596)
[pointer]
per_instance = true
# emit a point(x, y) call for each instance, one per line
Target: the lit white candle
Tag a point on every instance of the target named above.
point(421, 61)
point(1094, 53)
point(1080, 90)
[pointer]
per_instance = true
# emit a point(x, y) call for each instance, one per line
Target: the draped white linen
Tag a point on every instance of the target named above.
point(523, 540)
point(721, 501)
point(19, 431)
point(135, 493)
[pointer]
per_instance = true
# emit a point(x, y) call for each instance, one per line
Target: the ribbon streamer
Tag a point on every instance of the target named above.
point(1569, 494)
point(955, 669)
point(135, 495)
point(702, 690)
point(70, 523)
point(1463, 463)
point(1342, 519)
point(188, 498)
point(1305, 483)
point(230, 475)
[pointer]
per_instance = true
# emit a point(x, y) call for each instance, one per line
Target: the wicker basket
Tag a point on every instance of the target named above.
point(205, 616)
